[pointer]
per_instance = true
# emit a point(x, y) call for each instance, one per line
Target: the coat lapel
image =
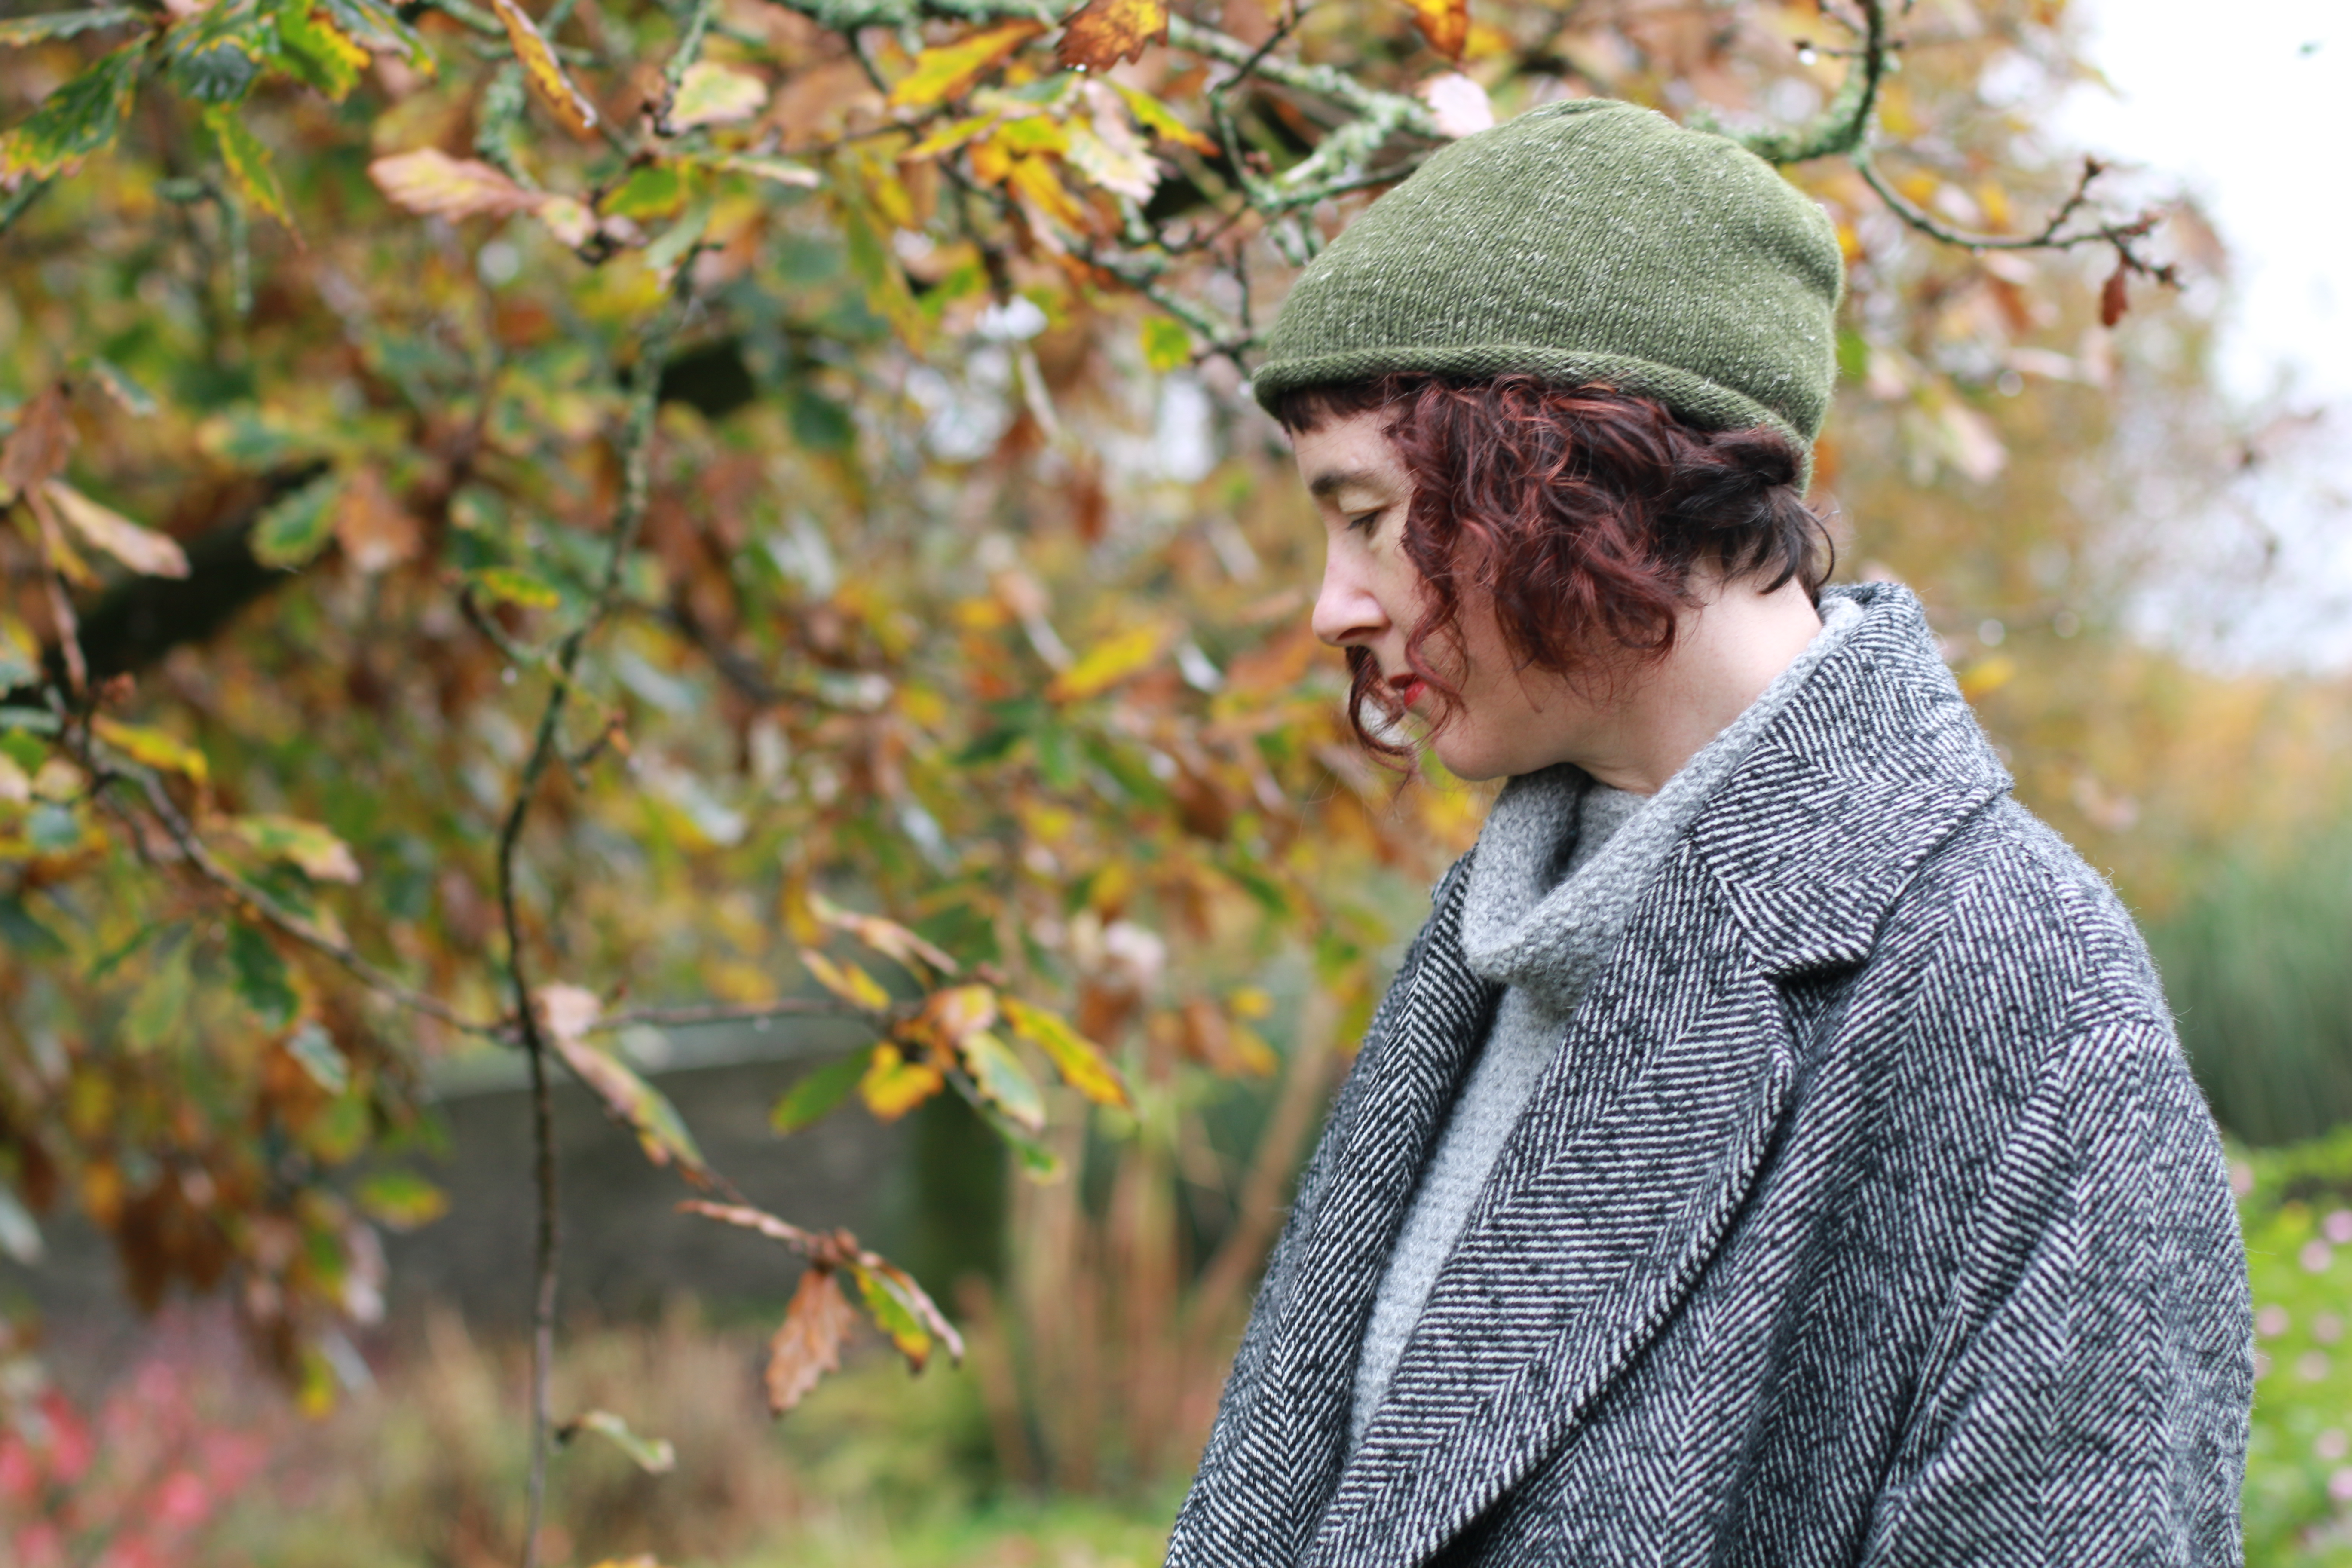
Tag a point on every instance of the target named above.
point(1625, 1171)
point(1289, 1429)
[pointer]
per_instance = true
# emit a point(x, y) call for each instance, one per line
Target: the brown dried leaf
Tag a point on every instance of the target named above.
point(142, 550)
point(37, 447)
point(807, 1344)
point(567, 1013)
point(372, 528)
point(2114, 294)
point(1105, 32)
point(1444, 23)
point(543, 70)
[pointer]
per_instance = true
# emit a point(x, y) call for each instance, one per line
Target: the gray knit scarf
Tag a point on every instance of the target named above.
point(1562, 864)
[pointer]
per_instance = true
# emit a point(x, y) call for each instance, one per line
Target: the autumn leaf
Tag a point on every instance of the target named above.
point(1160, 120)
point(950, 70)
point(776, 171)
point(2114, 294)
point(847, 980)
point(1444, 23)
point(151, 747)
point(1108, 662)
point(247, 162)
point(903, 1311)
point(508, 585)
point(713, 94)
point(1003, 1081)
point(142, 550)
point(77, 120)
point(18, 31)
point(1166, 344)
point(1079, 1060)
point(893, 1086)
point(886, 937)
point(543, 70)
point(374, 532)
point(317, 853)
point(948, 1015)
point(20, 654)
point(807, 1344)
point(297, 526)
point(430, 182)
point(568, 1013)
point(1103, 33)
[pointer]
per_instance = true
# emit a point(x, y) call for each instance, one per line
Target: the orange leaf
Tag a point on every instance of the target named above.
point(543, 70)
point(950, 70)
point(1160, 120)
point(1444, 23)
point(1105, 32)
point(807, 1344)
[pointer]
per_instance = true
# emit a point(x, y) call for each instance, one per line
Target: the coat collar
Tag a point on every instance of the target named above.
point(1635, 1152)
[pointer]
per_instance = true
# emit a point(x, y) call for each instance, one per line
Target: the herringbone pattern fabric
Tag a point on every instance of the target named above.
point(1867, 1214)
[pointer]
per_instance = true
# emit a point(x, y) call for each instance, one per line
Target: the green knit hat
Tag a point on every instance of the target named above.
point(1583, 241)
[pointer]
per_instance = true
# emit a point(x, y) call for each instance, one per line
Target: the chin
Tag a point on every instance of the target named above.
point(1469, 760)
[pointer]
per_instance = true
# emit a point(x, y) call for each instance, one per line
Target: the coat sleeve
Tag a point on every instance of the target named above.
point(2085, 1397)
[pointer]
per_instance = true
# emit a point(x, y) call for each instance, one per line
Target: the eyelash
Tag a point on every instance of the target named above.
point(1368, 522)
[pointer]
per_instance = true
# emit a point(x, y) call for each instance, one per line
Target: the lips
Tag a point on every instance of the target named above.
point(1407, 688)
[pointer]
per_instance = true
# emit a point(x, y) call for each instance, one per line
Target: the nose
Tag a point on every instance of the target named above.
point(1347, 612)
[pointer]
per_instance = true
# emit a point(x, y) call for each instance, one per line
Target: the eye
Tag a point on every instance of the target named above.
point(1367, 521)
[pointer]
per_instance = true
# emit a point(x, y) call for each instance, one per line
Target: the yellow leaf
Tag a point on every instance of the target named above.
point(1444, 23)
point(948, 138)
point(431, 181)
point(776, 171)
point(887, 938)
point(1079, 1060)
point(568, 220)
point(712, 94)
point(543, 71)
point(957, 1010)
point(1034, 178)
point(894, 1086)
point(1160, 120)
point(16, 789)
point(1108, 663)
point(151, 747)
point(141, 549)
point(950, 70)
point(1105, 32)
point(847, 980)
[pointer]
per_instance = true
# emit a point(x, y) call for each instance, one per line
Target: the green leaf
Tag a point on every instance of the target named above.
point(151, 748)
point(895, 1317)
point(80, 118)
point(26, 934)
point(297, 526)
point(377, 29)
point(651, 191)
point(18, 31)
point(815, 1096)
point(506, 586)
point(314, 1051)
point(314, 49)
point(677, 242)
point(1167, 345)
point(29, 721)
point(159, 1009)
point(1000, 1076)
point(654, 1455)
point(317, 853)
point(53, 829)
point(402, 1200)
point(216, 56)
point(248, 163)
point(262, 983)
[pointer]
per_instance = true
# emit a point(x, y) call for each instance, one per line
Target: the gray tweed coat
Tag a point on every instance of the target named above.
point(1867, 1215)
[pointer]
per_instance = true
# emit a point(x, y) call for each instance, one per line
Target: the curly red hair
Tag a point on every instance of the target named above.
point(1578, 511)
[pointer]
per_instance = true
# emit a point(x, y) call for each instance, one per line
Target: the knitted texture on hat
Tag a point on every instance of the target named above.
point(1583, 241)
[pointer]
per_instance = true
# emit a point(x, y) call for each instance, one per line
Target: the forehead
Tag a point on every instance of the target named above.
point(1349, 456)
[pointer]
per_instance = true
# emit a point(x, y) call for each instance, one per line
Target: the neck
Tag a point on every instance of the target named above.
point(1728, 649)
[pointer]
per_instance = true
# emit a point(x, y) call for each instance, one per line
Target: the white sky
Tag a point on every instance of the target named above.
point(2244, 106)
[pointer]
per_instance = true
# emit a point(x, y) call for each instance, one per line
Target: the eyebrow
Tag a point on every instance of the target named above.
point(1330, 482)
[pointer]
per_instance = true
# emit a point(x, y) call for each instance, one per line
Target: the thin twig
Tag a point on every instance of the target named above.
point(2047, 238)
point(727, 1013)
point(637, 443)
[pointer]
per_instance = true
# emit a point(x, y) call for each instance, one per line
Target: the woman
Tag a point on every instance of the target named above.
point(1775, 1148)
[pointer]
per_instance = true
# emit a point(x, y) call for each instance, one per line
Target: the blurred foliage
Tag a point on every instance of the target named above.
point(533, 531)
